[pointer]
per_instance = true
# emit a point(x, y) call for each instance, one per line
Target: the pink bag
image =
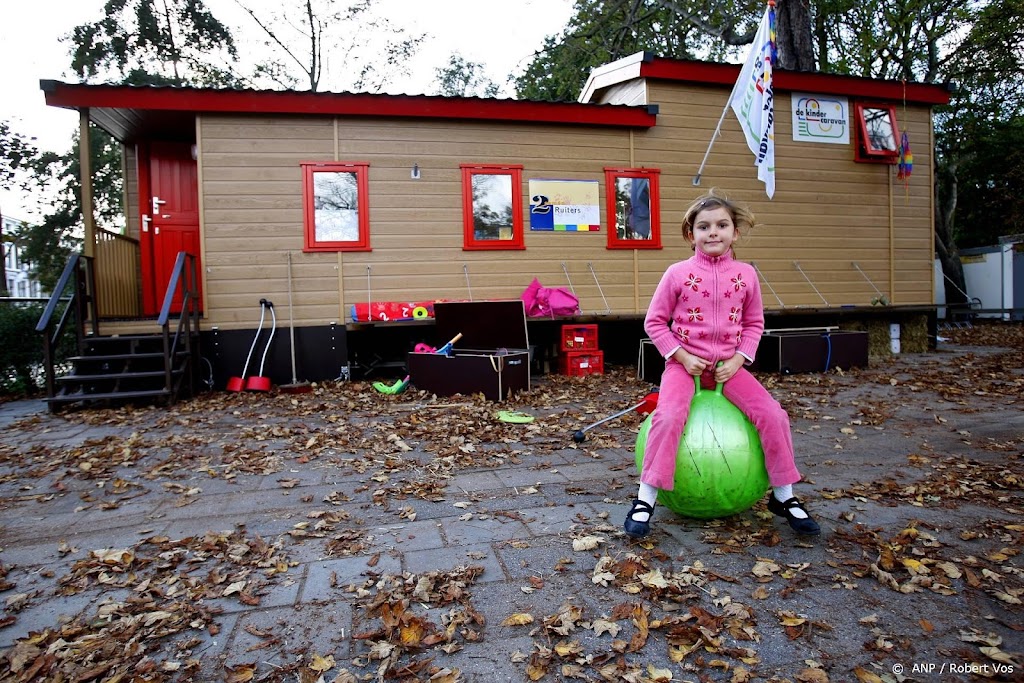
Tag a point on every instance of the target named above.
point(549, 301)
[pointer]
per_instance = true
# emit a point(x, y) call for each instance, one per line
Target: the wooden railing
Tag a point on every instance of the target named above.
point(76, 289)
point(118, 275)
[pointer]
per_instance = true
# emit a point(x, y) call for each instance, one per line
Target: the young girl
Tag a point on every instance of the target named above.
point(706, 319)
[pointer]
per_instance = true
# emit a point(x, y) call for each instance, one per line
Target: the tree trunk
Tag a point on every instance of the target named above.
point(793, 35)
point(3, 260)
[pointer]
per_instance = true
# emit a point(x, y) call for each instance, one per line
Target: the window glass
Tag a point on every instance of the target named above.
point(633, 213)
point(880, 129)
point(335, 206)
point(633, 208)
point(492, 207)
point(877, 134)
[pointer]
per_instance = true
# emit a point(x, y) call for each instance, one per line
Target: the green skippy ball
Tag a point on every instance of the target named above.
point(719, 465)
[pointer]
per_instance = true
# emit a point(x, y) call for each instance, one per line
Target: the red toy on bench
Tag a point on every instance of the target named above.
point(387, 311)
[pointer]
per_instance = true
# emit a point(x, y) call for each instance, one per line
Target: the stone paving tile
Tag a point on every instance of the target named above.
point(418, 535)
point(31, 526)
point(33, 556)
point(537, 559)
point(476, 530)
point(554, 519)
point(325, 579)
point(303, 479)
point(526, 477)
point(273, 636)
point(46, 614)
point(475, 482)
point(134, 514)
point(445, 559)
point(283, 590)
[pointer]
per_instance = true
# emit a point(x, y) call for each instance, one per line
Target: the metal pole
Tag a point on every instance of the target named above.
point(718, 129)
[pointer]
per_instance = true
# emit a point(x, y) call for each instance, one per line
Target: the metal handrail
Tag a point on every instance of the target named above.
point(81, 303)
point(183, 277)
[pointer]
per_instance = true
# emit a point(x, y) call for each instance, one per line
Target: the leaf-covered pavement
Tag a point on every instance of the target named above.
point(345, 535)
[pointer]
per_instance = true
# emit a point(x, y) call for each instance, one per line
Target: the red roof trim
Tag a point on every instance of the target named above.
point(349, 104)
point(852, 86)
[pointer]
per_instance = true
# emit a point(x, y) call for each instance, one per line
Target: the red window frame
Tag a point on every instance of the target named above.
point(361, 171)
point(470, 241)
point(866, 150)
point(652, 175)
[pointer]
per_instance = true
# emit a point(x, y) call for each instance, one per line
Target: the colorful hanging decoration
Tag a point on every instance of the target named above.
point(906, 166)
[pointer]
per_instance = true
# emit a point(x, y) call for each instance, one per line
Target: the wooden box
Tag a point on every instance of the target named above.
point(492, 357)
point(810, 350)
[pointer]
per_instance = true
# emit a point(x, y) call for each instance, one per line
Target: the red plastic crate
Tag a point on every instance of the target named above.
point(581, 363)
point(578, 338)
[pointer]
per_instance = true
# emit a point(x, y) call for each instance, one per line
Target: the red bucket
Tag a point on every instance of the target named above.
point(258, 384)
point(235, 384)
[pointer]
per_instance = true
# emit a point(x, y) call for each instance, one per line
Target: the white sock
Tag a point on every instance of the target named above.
point(784, 493)
point(649, 495)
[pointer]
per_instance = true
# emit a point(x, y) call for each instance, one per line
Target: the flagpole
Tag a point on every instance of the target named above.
point(714, 136)
point(725, 110)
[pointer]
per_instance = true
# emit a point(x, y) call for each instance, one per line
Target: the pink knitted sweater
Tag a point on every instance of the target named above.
point(709, 305)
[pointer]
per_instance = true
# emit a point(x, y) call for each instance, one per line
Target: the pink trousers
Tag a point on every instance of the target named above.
point(747, 394)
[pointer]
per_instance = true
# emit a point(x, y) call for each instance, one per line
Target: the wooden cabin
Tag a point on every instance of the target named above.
point(383, 198)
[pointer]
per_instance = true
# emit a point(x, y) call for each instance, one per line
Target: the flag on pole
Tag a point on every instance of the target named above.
point(753, 103)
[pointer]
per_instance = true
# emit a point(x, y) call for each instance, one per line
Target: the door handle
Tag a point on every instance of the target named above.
point(146, 220)
point(156, 204)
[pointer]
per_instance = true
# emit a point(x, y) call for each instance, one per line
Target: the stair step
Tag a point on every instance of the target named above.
point(115, 395)
point(121, 356)
point(116, 375)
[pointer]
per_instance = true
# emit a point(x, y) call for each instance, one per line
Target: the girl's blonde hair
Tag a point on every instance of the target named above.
point(742, 217)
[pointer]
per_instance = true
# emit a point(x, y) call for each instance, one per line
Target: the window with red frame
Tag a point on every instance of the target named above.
point(335, 205)
point(634, 218)
point(877, 133)
point(492, 207)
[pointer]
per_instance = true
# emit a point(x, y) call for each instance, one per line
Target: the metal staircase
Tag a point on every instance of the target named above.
point(113, 370)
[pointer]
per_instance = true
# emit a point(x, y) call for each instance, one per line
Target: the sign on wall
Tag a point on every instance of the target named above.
point(821, 118)
point(564, 205)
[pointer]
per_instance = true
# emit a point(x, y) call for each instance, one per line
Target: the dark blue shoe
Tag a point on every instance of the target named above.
point(806, 526)
point(633, 527)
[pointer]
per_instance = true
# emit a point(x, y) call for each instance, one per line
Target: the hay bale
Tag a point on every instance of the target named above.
point(913, 334)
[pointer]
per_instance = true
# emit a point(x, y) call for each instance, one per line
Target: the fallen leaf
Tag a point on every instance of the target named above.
point(865, 676)
point(518, 619)
point(586, 543)
point(812, 676)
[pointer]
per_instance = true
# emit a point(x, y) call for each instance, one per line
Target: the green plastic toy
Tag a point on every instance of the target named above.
point(719, 465)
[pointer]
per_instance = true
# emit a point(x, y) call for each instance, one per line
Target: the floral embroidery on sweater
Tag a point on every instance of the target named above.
point(693, 281)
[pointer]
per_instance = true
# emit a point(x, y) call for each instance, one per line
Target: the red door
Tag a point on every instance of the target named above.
point(173, 210)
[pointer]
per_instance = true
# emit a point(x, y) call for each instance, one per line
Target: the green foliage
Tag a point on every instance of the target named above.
point(990, 202)
point(603, 31)
point(463, 78)
point(174, 42)
point(21, 354)
point(16, 152)
point(980, 134)
point(48, 243)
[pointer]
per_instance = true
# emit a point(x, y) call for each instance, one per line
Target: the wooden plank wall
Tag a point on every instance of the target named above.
point(252, 215)
point(828, 211)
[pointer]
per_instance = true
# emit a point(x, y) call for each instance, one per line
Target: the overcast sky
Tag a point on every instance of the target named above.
point(501, 34)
